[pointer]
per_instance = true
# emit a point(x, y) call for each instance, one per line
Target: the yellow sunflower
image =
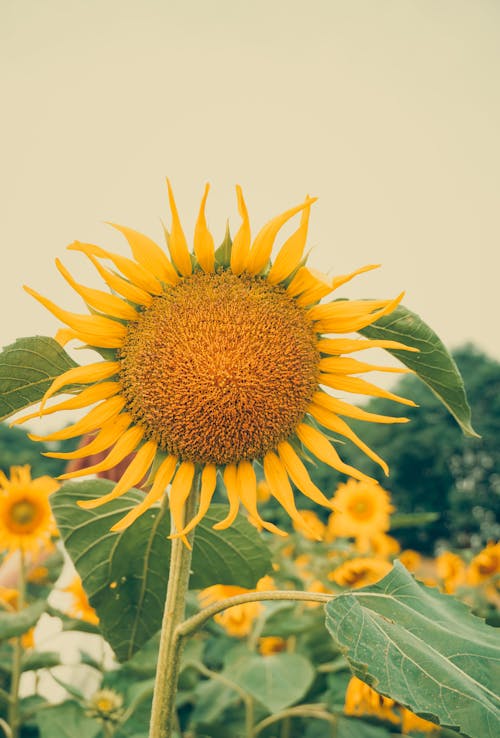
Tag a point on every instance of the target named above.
point(361, 699)
point(360, 572)
point(26, 520)
point(211, 360)
point(80, 607)
point(361, 510)
point(238, 620)
point(485, 565)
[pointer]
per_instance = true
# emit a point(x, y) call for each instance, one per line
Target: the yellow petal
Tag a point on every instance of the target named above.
point(136, 273)
point(149, 255)
point(342, 309)
point(179, 492)
point(176, 240)
point(262, 246)
point(337, 425)
point(299, 475)
point(125, 445)
point(279, 485)
point(360, 387)
point(343, 278)
point(322, 287)
point(350, 323)
point(162, 479)
point(99, 300)
point(231, 485)
point(241, 245)
point(290, 254)
point(86, 397)
point(352, 411)
point(307, 279)
point(92, 325)
point(135, 471)
point(321, 447)
point(122, 286)
point(344, 365)
point(82, 375)
point(64, 335)
point(107, 436)
point(247, 489)
point(208, 484)
point(93, 420)
point(203, 241)
point(350, 345)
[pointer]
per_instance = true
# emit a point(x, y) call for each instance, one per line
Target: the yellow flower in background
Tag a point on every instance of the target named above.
point(380, 545)
point(316, 586)
point(26, 520)
point(311, 527)
point(485, 565)
point(214, 362)
point(106, 705)
point(360, 572)
point(361, 510)
point(270, 645)
point(361, 699)
point(451, 570)
point(8, 598)
point(411, 722)
point(410, 559)
point(238, 620)
point(80, 607)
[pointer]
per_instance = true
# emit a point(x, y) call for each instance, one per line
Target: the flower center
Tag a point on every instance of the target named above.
point(361, 509)
point(220, 368)
point(23, 514)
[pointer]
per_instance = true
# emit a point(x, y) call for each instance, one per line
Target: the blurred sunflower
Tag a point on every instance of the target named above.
point(213, 360)
point(26, 520)
point(238, 620)
point(361, 510)
point(360, 572)
point(80, 607)
point(361, 699)
point(485, 565)
point(451, 570)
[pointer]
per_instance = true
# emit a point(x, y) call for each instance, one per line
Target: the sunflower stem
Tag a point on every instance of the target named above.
point(169, 655)
point(13, 712)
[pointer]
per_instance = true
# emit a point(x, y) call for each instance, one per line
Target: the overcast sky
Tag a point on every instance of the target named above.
point(388, 111)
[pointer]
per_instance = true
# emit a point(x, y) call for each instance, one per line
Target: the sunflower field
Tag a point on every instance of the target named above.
point(211, 546)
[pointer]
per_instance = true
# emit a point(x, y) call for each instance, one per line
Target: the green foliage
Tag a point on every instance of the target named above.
point(17, 449)
point(16, 623)
point(125, 574)
point(433, 364)
point(67, 720)
point(27, 369)
point(423, 649)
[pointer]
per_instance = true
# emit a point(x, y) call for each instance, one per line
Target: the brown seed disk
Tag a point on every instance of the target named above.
point(220, 368)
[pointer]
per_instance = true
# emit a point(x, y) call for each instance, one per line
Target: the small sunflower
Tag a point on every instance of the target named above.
point(451, 570)
point(26, 520)
point(360, 572)
point(361, 510)
point(80, 607)
point(361, 699)
point(214, 359)
point(238, 620)
point(485, 565)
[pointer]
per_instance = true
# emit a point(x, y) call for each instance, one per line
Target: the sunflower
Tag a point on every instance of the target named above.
point(213, 360)
point(361, 699)
point(451, 570)
point(80, 607)
point(26, 520)
point(238, 620)
point(361, 510)
point(360, 572)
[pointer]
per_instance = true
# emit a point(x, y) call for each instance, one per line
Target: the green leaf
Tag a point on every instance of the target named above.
point(413, 520)
point(16, 623)
point(27, 369)
point(275, 681)
point(66, 720)
point(34, 660)
point(433, 364)
point(125, 574)
point(423, 649)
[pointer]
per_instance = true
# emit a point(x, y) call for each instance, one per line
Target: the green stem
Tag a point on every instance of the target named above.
point(312, 711)
point(197, 621)
point(7, 731)
point(169, 655)
point(13, 712)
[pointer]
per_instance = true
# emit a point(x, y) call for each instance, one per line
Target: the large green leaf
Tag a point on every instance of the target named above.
point(125, 574)
point(16, 623)
point(276, 681)
point(66, 720)
point(423, 649)
point(27, 369)
point(433, 364)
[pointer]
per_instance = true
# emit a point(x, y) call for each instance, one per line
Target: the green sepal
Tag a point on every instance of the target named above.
point(223, 253)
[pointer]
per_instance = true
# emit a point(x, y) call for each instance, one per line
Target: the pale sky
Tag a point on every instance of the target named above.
point(388, 111)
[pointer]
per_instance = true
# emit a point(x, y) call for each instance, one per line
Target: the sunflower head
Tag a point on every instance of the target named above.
point(26, 520)
point(361, 510)
point(212, 360)
point(360, 572)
